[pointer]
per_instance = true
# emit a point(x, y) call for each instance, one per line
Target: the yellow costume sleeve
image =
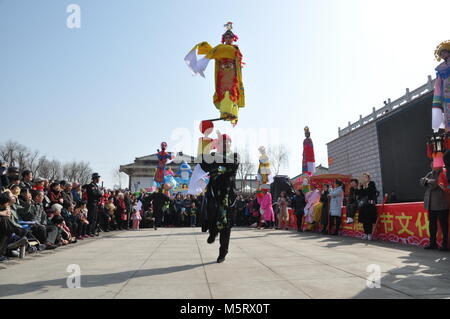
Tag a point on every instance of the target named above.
point(204, 48)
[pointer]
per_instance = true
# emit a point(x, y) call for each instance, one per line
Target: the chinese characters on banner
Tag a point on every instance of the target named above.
point(400, 223)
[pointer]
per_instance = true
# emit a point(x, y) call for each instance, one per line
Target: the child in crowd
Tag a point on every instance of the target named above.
point(136, 218)
point(193, 215)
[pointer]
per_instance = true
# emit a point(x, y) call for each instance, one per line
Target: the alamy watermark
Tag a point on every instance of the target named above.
point(74, 19)
point(374, 278)
point(74, 279)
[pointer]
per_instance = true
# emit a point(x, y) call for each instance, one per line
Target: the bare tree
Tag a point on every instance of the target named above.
point(16, 154)
point(55, 170)
point(84, 173)
point(118, 177)
point(246, 167)
point(279, 157)
point(34, 162)
point(44, 168)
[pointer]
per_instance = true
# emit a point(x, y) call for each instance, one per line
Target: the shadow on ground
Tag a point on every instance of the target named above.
point(90, 281)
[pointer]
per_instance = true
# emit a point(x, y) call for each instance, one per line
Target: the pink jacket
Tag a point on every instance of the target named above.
point(266, 206)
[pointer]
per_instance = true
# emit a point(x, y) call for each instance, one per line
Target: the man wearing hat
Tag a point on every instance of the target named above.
point(93, 194)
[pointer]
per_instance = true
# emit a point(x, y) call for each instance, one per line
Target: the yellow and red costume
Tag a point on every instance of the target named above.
point(229, 89)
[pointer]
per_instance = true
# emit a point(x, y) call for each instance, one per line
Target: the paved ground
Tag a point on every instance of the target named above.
point(178, 263)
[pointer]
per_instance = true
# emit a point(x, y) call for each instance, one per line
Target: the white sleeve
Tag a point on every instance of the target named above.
point(196, 66)
point(437, 119)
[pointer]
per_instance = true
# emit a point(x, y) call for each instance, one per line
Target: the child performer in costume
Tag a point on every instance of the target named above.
point(163, 158)
point(265, 201)
point(229, 95)
point(136, 218)
point(308, 164)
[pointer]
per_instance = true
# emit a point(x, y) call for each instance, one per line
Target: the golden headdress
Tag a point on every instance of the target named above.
point(443, 46)
point(306, 129)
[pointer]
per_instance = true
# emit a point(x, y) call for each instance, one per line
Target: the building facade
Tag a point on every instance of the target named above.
point(389, 144)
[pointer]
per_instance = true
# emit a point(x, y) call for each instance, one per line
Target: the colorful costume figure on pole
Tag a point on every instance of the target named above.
point(439, 141)
point(163, 158)
point(441, 99)
point(308, 164)
point(229, 94)
point(264, 173)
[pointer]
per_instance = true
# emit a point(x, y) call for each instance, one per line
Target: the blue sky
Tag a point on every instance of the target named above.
point(118, 86)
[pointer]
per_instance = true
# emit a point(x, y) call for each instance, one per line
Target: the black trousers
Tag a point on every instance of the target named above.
point(52, 234)
point(442, 216)
point(40, 232)
point(351, 210)
point(368, 228)
point(335, 221)
point(224, 239)
point(92, 218)
point(299, 216)
point(159, 214)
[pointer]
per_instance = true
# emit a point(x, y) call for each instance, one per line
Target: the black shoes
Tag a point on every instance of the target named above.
point(443, 249)
point(212, 238)
point(430, 247)
point(221, 257)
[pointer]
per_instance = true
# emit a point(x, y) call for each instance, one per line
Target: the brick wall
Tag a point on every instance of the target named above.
point(357, 153)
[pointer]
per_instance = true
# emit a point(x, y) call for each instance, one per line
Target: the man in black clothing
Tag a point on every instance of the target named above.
point(159, 200)
point(220, 195)
point(94, 194)
point(27, 178)
point(298, 204)
point(325, 208)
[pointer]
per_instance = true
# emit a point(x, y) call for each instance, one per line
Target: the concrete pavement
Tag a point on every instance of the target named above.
point(178, 263)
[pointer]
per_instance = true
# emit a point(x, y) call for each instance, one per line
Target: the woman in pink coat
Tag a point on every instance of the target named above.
point(265, 201)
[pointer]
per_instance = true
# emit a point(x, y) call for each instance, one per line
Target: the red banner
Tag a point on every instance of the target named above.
point(405, 223)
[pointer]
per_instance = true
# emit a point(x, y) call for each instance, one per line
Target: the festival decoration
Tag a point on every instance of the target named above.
point(439, 142)
point(264, 173)
point(163, 159)
point(308, 163)
point(205, 143)
point(229, 94)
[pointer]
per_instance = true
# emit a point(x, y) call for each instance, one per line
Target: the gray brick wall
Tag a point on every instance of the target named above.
point(357, 153)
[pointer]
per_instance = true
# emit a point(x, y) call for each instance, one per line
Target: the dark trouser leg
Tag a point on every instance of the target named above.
point(337, 223)
point(224, 241)
point(299, 222)
point(443, 221)
point(368, 228)
point(40, 232)
point(52, 234)
point(92, 218)
point(433, 217)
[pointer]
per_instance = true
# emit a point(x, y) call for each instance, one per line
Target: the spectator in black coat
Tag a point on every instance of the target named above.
point(298, 205)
